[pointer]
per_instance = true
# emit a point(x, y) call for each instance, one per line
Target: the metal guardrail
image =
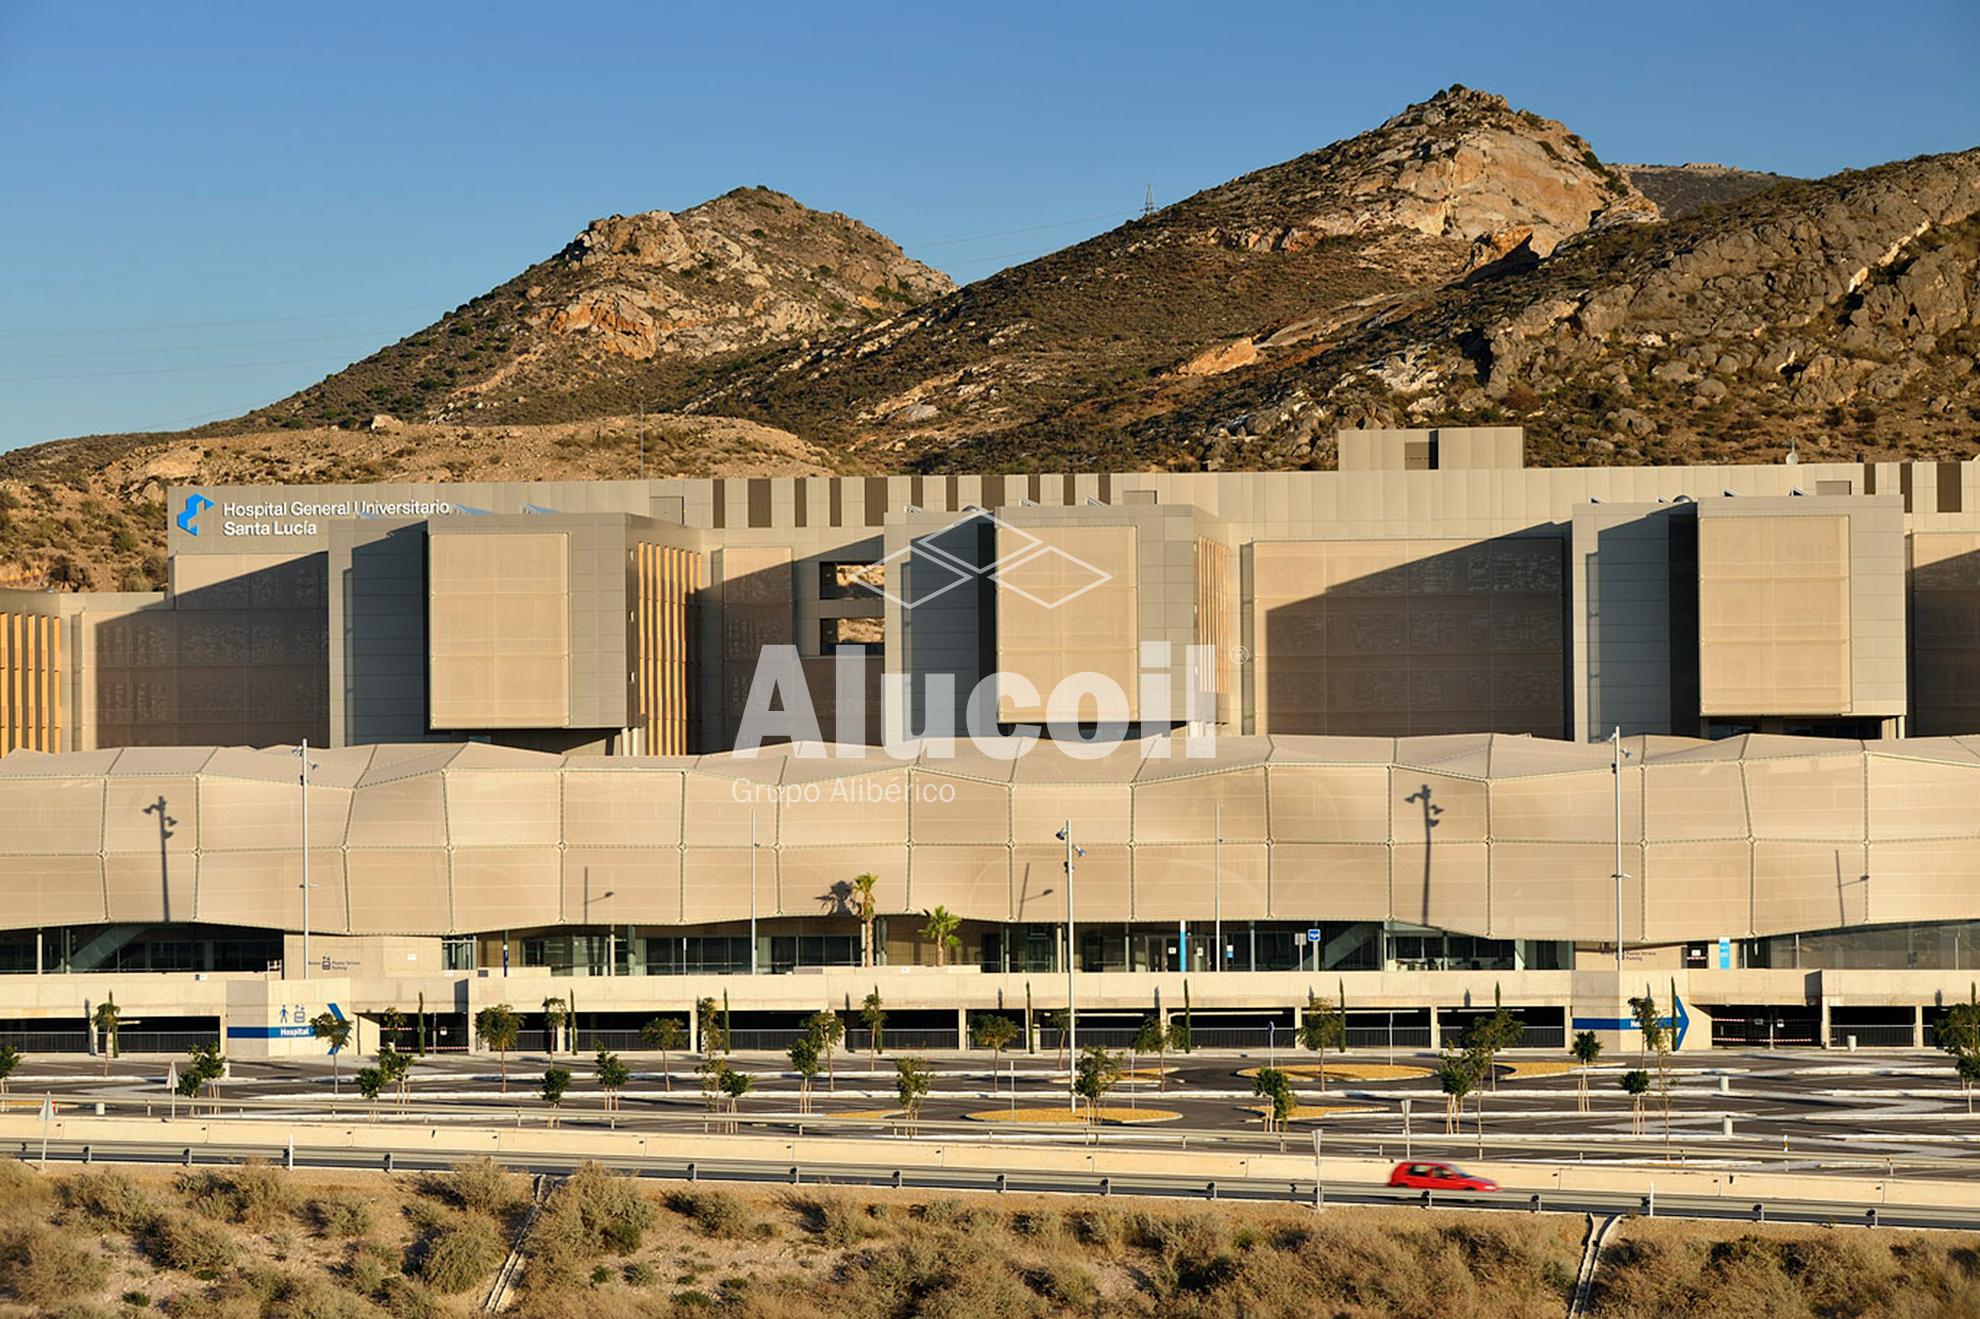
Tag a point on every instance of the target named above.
point(128, 1041)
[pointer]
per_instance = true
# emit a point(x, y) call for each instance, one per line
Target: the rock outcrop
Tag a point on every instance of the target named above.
point(627, 308)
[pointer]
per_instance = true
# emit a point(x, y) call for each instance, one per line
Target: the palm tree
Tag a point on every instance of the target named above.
point(911, 1077)
point(1586, 1050)
point(1322, 1026)
point(105, 1017)
point(874, 1017)
point(864, 907)
point(499, 1028)
point(828, 1031)
point(555, 1013)
point(995, 1033)
point(336, 1032)
point(664, 1034)
point(941, 927)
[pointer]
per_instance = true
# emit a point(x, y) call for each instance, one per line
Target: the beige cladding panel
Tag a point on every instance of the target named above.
point(612, 808)
point(1921, 881)
point(623, 885)
point(1566, 808)
point(973, 882)
point(1774, 615)
point(1807, 886)
point(1805, 798)
point(1329, 803)
point(409, 812)
point(948, 808)
point(1702, 800)
point(148, 887)
point(870, 808)
point(50, 817)
point(52, 890)
point(1444, 884)
point(1945, 657)
point(1190, 809)
point(1185, 883)
point(401, 892)
point(496, 808)
point(1067, 611)
point(1922, 798)
point(1038, 883)
point(265, 889)
point(1100, 813)
point(1554, 890)
point(499, 630)
point(1696, 890)
point(507, 887)
point(757, 595)
point(718, 811)
point(817, 881)
point(251, 815)
point(1435, 808)
point(715, 883)
point(1386, 637)
point(126, 826)
point(1330, 882)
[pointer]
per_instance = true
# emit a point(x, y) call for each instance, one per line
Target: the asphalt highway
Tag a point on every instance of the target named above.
point(1874, 1114)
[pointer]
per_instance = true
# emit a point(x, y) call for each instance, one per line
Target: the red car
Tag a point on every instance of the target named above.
point(1438, 1177)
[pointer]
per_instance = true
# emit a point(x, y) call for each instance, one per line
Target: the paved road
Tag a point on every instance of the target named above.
point(1870, 1113)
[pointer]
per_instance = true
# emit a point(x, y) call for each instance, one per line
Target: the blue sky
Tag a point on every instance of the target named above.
point(207, 205)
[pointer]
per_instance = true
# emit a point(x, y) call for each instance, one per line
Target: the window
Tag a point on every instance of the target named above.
point(457, 953)
point(836, 632)
point(1419, 455)
point(836, 580)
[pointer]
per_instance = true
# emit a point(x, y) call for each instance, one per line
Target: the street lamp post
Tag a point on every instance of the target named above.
point(1218, 905)
point(752, 888)
point(1615, 739)
point(302, 752)
point(1072, 961)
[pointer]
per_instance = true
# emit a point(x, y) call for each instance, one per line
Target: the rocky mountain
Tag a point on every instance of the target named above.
point(1682, 189)
point(1274, 264)
point(1463, 263)
point(1840, 317)
point(632, 307)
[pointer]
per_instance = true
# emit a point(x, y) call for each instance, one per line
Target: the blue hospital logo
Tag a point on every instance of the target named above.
point(189, 518)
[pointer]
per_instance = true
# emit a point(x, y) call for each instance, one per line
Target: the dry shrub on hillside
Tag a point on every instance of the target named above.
point(591, 1214)
point(110, 1199)
point(715, 1213)
point(40, 1265)
point(341, 1214)
point(190, 1243)
point(461, 1255)
point(838, 1220)
point(1658, 1270)
point(481, 1185)
point(255, 1195)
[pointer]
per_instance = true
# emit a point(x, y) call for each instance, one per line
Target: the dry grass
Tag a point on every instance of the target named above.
point(1658, 1269)
point(1313, 1112)
point(608, 1247)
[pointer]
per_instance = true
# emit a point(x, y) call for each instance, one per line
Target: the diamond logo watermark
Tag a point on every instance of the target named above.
point(1040, 572)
